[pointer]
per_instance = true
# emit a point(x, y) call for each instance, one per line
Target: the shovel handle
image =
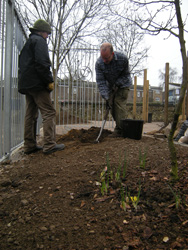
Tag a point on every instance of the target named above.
point(103, 123)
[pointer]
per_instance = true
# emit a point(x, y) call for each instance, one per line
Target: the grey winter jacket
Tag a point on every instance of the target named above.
point(114, 74)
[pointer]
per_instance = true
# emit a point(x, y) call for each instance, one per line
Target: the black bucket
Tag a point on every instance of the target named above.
point(132, 128)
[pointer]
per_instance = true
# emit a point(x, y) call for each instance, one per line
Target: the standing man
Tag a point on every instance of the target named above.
point(35, 81)
point(113, 80)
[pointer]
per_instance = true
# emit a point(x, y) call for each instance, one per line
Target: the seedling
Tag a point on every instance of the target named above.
point(124, 166)
point(108, 169)
point(118, 173)
point(135, 199)
point(124, 198)
point(123, 203)
point(176, 197)
point(104, 187)
point(142, 159)
point(103, 181)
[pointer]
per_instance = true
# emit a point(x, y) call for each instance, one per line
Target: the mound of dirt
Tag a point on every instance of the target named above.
point(85, 136)
point(116, 194)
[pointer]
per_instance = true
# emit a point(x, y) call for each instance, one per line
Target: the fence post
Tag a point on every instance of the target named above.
point(8, 77)
point(134, 98)
point(144, 107)
point(147, 99)
point(166, 94)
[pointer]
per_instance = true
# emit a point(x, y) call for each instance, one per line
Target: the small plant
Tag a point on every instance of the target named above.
point(135, 199)
point(123, 202)
point(108, 169)
point(142, 159)
point(103, 181)
point(124, 198)
point(118, 173)
point(103, 187)
point(176, 197)
point(124, 166)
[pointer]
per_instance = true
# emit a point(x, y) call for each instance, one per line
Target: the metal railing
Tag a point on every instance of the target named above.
point(76, 97)
point(12, 104)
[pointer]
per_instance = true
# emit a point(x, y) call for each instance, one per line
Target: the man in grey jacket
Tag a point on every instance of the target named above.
point(35, 81)
point(113, 80)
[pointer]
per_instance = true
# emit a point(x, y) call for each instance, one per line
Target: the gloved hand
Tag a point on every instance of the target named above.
point(50, 86)
point(110, 101)
point(109, 104)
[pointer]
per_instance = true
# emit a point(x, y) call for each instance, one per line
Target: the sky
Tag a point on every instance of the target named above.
point(164, 51)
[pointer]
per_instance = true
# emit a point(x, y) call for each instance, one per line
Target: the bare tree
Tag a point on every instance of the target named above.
point(173, 76)
point(126, 37)
point(148, 18)
point(68, 20)
point(71, 21)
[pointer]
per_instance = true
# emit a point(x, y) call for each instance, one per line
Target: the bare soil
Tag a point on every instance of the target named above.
point(57, 201)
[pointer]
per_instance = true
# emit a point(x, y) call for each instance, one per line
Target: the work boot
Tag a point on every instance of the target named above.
point(34, 150)
point(58, 147)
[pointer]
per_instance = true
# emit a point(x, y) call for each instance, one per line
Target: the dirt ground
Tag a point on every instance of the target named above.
point(115, 194)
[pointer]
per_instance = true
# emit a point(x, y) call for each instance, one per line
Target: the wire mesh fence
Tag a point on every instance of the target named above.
point(12, 104)
point(76, 97)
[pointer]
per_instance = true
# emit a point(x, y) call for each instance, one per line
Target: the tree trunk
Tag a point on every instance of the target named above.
point(178, 108)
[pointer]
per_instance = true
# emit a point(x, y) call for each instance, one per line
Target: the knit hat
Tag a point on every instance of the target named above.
point(41, 25)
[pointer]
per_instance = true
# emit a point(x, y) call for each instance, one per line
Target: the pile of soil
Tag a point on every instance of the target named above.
point(83, 197)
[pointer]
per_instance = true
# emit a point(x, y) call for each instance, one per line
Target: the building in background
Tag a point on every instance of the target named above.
point(155, 94)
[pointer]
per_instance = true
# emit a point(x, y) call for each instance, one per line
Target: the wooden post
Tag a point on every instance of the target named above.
point(134, 98)
point(147, 99)
point(166, 94)
point(144, 96)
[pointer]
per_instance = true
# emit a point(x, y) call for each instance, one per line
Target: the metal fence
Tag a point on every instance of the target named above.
point(76, 97)
point(12, 104)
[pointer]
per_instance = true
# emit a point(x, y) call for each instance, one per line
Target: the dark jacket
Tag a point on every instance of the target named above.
point(34, 65)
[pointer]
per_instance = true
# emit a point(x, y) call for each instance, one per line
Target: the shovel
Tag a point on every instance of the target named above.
point(105, 117)
point(103, 123)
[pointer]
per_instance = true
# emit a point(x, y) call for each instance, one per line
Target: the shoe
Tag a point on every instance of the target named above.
point(115, 134)
point(38, 148)
point(58, 147)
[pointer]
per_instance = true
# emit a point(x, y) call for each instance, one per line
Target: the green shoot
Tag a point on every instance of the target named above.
point(124, 166)
point(108, 169)
point(176, 197)
point(103, 181)
point(123, 202)
point(135, 199)
point(103, 187)
point(142, 159)
point(111, 174)
point(118, 173)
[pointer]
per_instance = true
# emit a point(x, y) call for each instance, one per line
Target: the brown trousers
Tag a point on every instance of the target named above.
point(118, 110)
point(39, 100)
